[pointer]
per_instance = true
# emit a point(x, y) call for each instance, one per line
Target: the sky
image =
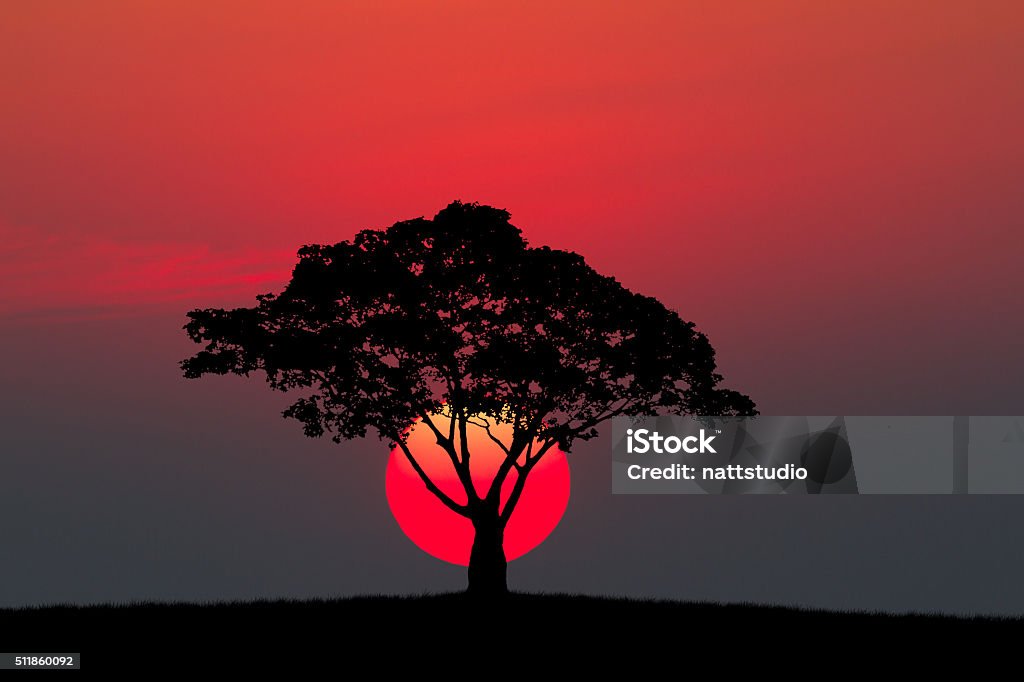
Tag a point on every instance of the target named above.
point(829, 190)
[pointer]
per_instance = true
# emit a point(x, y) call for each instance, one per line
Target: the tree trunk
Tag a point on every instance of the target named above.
point(487, 565)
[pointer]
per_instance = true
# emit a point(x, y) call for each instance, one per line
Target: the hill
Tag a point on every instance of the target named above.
point(441, 631)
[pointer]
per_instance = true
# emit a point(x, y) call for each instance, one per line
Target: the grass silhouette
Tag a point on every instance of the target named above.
point(411, 630)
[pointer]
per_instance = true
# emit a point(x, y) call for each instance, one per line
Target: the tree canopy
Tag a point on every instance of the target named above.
point(459, 314)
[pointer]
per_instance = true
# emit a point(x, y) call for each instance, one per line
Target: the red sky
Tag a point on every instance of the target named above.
point(831, 190)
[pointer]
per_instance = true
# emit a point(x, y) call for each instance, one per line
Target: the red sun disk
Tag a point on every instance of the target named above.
point(442, 533)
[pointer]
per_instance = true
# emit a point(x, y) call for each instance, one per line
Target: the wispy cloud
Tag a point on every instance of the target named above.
point(50, 276)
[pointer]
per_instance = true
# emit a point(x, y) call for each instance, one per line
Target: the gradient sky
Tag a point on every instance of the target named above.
point(830, 190)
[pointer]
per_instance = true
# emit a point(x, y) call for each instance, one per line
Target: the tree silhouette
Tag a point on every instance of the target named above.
point(459, 316)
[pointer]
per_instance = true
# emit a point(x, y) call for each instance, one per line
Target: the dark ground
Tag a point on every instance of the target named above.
point(444, 632)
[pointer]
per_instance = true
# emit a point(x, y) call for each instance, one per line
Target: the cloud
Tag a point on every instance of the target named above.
point(56, 276)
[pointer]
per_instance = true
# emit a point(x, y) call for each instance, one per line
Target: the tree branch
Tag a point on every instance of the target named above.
point(520, 484)
point(486, 426)
point(325, 384)
point(441, 440)
point(462, 510)
point(464, 446)
point(512, 454)
point(461, 467)
point(451, 422)
point(604, 416)
point(526, 458)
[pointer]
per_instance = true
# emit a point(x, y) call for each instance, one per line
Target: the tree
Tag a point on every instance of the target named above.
point(459, 316)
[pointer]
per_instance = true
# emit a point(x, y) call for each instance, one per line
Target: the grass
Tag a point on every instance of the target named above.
point(455, 628)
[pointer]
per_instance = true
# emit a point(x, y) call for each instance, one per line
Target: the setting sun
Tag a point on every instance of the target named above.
point(432, 526)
